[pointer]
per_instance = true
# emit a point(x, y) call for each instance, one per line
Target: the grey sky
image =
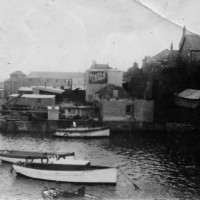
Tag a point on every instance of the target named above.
point(66, 35)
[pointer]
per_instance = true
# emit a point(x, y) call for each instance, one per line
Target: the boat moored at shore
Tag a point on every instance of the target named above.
point(14, 156)
point(68, 173)
point(83, 132)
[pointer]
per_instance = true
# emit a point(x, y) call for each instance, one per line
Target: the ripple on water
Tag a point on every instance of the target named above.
point(146, 162)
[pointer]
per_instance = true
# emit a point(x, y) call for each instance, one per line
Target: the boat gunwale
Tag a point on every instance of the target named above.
point(62, 167)
point(32, 154)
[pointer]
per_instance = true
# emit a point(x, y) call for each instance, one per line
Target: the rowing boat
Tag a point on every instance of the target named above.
point(15, 156)
point(67, 173)
point(83, 132)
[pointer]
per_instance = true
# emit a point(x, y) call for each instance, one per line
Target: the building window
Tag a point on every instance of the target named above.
point(39, 100)
point(128, 109)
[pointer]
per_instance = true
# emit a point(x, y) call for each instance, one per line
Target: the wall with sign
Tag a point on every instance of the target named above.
point(97, 79)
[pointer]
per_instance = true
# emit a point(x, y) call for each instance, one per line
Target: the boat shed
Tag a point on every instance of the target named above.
point(116, 110)
point(81, 112)
point(35, 100)
point(25, 90)
point(189, 98)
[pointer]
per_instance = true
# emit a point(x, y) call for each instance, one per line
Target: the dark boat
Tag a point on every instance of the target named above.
point(15, 156)
point(55, 193)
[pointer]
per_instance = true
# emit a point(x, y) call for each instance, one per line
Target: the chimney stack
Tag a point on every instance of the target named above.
point(184, 30)
point(93, 64)
point(171, 46)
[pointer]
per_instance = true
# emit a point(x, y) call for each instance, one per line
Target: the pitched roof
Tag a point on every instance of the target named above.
point(190, 94)
point(56, 75)
point(25, 89)
point(108, 90)
point(50, 89)
point(162, 55)
point(17, 73)
point(34, 96)
point(193, 41)
point(100, 66)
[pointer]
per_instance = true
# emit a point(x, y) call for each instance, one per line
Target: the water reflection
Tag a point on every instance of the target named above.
point(148, 160)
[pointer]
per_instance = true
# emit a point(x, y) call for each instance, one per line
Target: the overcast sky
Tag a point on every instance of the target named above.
point(66, 35)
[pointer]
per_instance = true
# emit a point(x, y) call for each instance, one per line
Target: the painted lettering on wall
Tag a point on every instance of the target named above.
point(98, 77)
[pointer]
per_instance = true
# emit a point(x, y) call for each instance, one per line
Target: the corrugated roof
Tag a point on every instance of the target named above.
point(50, 89)
point(56, 75)
point(29, 89)
point(37, 96)
point(190, 94)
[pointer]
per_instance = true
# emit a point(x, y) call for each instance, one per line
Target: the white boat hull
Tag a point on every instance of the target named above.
point(83, 132)
point(108, 175)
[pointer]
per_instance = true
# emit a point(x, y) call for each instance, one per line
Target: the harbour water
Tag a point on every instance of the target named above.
point(147, 160)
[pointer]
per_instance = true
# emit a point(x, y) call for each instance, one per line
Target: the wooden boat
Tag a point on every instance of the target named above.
point(55, 193)
point(67, 173)
point(15, 156)
point(83, 132)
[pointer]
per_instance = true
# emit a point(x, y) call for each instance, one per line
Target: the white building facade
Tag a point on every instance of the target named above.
point(98, 76)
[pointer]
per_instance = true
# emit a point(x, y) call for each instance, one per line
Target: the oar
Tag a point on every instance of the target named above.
point(136, 187)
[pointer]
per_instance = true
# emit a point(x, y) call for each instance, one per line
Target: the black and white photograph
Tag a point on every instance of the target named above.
point(99, 100)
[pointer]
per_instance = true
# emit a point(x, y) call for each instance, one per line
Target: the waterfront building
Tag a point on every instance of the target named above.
point(116, 110)
point(98, 76)
point(144, 110)
point(80, 112)
point(35, 100)
point(124, 110)
point(16, 80)
point(64, 80)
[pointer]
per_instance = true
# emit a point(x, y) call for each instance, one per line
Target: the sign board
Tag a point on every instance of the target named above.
point(98, 77)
